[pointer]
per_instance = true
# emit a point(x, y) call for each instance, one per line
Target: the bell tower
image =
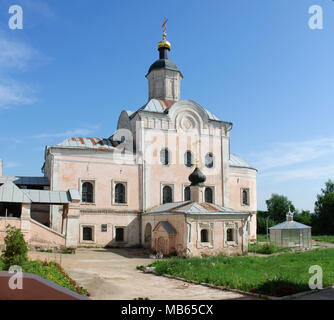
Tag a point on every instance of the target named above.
point(164, 77)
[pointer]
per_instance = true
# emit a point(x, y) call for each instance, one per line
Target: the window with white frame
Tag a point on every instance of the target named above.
point(230, 234)
point(245, 197)
point(87, 233)
point(208, 193)
point(204, 235)
point(188, 159)
point(164, 156)
point(167, 194)
point(120, 192)
point(209, 160)
point(87, 191)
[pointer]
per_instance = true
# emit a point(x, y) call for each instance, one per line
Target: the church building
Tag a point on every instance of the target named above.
point(165, 180)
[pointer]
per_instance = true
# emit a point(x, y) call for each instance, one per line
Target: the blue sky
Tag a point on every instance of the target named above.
point(78, 63)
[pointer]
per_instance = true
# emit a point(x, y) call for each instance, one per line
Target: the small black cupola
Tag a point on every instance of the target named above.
point(197, 178)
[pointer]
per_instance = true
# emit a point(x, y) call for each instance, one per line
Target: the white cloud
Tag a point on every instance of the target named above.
point(291, 153)
point(15, 93)
point(15, 55)
point(11, 164)
point(68, 133)
point(308, 173)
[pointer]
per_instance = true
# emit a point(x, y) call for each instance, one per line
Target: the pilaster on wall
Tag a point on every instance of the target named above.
point(25, 220)
point(72, 225)
point(225, 170)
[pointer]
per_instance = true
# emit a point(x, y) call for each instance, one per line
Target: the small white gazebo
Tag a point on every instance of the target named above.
point(291, 234)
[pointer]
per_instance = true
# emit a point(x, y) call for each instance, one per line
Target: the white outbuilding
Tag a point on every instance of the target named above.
point(291, 234)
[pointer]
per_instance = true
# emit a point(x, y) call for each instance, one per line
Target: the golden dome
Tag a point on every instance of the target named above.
point(164, 43)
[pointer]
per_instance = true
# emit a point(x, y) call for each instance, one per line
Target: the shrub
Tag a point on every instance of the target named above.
point(16, 248)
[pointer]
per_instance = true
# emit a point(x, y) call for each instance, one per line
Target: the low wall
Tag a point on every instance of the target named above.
point(44, 235)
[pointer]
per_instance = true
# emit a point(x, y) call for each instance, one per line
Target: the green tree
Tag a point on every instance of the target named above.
point(16, 248)
point(305, 217)
point(324, 209)
point(278, 206)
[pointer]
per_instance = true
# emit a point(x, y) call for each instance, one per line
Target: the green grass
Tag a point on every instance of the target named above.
point(267, 248)
point(276, 275)
point(53, 272)
point(324, 238)
point(262, 238)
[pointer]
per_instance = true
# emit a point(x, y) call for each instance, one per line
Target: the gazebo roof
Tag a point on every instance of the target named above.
point(290, 225)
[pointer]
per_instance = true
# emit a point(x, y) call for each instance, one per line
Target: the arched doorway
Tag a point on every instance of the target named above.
point(148, 236)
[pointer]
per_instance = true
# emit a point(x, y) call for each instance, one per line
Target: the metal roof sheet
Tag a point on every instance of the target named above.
point(167, 226)
point(160, 106)
point(42, 181)
point(48, 196)
point(290, 225)
point(74, 194)
point(189, 207)
point(9, 192)
point(236, 161)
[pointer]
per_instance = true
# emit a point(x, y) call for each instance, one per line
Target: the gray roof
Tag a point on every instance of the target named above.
point(160, 106)
point(290, 225)
point(167, 226)
point(190, 207)
point(236, 161)
point(9, 192)
point(47, 196)
point(41, 181)
point(164, 64)
point(74, 194)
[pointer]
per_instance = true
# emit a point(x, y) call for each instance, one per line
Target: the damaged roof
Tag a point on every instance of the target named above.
point(92, 143)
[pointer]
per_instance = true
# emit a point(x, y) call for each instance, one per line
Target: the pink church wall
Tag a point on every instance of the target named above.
point(103, 172)
point(241, 178)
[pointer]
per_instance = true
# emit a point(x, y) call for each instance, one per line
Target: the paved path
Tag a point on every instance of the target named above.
point(111, 274)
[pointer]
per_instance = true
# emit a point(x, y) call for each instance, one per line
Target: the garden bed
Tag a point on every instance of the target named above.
point(278, 275)
point(52, 272)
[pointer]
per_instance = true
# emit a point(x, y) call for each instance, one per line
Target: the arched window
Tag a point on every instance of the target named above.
point(245, 197)
point(229, 235)
point(204, 235)
point(119, 193)
point(209, 160)
point(187, 194)
point(87, 193)
point(164, 156)
point(188, 161)
point(208, 195)
point(167, 194)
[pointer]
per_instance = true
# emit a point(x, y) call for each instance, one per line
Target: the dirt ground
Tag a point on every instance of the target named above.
point(111, 275)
